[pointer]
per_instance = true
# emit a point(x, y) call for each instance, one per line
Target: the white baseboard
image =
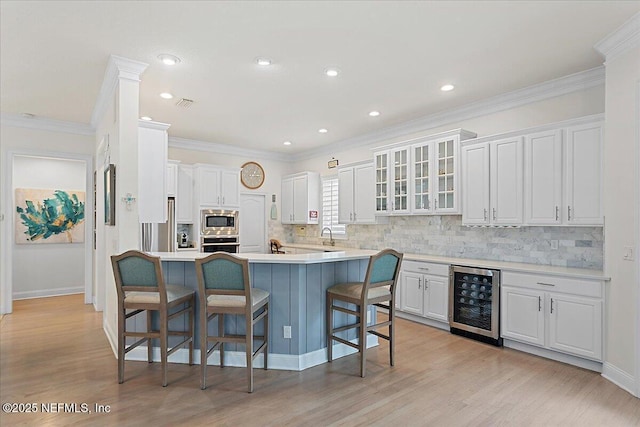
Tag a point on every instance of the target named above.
point(619, 377)
point(112, 337)
point(48, 293)
point(284, 362)
point(554, 355)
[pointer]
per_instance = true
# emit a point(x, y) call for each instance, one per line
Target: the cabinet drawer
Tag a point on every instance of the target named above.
point(426, 268)
point(584, 287)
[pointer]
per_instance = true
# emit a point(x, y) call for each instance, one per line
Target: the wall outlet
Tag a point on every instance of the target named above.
point(287, 331)
point(554, 244)
point(301, 231)
point(627, 253)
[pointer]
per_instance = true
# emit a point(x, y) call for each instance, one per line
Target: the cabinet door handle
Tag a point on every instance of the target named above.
point(423, 268)
point(223, 200)
point(419, 283)
point(354, 216)
point(569, 213)
point(426, 283)
point(545, 284)
point(557, 213)
point(494, 214)
point(485, 214)
point(436, 203)
point(539, 303)
point(218, 202)
point(350, 216)
point(551, 305)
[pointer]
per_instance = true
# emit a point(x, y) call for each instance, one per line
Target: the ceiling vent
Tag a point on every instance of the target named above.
point(184, 103)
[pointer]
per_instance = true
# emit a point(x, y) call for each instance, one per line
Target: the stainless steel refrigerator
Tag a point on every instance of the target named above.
point(161, 237)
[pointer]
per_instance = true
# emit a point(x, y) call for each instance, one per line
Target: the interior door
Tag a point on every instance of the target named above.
point(252, 219)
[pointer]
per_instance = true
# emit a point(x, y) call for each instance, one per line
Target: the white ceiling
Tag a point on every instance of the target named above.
point(393, 57)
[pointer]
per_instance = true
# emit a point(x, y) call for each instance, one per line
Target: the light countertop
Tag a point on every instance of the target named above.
point(337, 253)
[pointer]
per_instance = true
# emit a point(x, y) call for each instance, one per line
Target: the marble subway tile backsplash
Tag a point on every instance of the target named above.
point(579, 247)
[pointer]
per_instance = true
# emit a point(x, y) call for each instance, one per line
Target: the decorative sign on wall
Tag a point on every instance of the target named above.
point(49, 216)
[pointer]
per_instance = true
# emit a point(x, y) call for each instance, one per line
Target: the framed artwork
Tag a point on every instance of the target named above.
point(110, 195)
point(49, 216)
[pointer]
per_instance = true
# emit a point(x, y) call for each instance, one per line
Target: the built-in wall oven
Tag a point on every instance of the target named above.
point(219, 231)
point(474, 303)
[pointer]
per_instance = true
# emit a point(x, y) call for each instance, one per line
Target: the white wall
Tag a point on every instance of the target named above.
point(35, 142)
point(621, 201)
point(54, 268)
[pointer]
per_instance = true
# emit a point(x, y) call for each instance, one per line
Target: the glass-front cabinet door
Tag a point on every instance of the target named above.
point(422, 195)
point(381, 162)
point(446, 200)
point(400, 199)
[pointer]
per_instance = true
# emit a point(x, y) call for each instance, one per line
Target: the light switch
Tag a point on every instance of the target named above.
point(627, 253)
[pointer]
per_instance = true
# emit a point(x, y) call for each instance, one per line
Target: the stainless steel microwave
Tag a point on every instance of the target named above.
point(219, 222)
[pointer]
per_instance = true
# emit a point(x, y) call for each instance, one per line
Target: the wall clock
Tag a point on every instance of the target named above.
point(252, 175)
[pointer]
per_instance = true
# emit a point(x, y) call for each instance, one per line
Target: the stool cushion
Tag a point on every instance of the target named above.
point(258, 297)
point(354, 290)
point(173, 293)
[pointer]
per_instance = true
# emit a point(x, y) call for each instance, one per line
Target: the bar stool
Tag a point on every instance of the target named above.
point(378, 289)
point(276, 246)
point(141, 288)
point(225, 288)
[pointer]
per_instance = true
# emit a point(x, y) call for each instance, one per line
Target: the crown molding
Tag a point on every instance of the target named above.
point(621, 40)
point(117, 68)
point(549, 89)
point(214, 147)
point(39, 123)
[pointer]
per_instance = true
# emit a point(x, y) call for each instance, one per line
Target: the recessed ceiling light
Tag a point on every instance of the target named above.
point(331, 72)
point(374, 113)
point(166, 95)
point(168, 59)
point(263, 61)
point(287, 143)
point(146, 118)
point(323, 130)
point(446, 88)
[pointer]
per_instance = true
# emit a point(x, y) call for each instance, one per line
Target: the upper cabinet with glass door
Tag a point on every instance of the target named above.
point(422, 175)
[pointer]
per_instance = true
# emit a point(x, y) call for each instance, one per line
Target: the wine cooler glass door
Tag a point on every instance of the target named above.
point(474, 303)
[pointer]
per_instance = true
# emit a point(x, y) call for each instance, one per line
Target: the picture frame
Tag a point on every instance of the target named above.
point(110, 195)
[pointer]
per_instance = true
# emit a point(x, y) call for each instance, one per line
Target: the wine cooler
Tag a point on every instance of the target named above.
point(474, 303)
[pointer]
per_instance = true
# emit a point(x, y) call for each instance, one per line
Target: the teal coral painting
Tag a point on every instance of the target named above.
point(49, 216)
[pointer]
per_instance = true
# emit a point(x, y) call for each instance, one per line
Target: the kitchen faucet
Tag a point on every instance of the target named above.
point(331, 241)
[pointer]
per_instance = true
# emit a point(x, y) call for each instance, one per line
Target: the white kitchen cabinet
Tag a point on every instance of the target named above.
point(435, 176)
point(493, 182)
point(575, 325)
point(392, 181)
point(420, 176)
point(152, 172)
point(522, 315)
point(583, 174)
point(172, 178)
point(185, 208)
point(300, 198)
point(424, 290)
point(543, 178)
point(356, 197)
point(218, 187)
point(555, 313)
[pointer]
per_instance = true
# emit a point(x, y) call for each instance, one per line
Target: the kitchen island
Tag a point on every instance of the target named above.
point(297, 285)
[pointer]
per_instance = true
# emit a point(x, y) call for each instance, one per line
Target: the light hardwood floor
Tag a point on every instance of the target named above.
point(53, 350)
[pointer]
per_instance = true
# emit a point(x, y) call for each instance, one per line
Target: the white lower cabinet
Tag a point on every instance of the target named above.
point(556, 313)
point(424, 290)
